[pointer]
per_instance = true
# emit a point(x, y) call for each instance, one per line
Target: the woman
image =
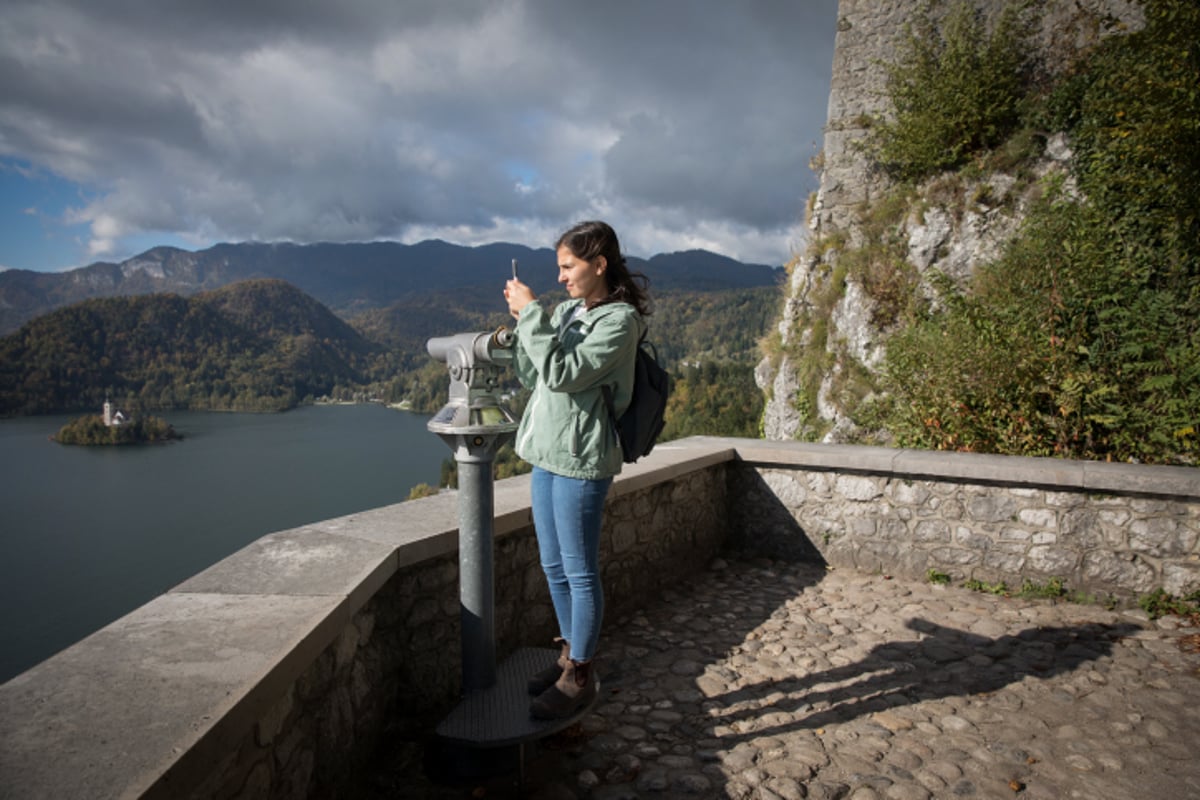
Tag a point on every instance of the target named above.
point(590, 341)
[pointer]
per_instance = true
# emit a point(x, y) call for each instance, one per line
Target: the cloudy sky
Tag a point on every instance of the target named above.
point(130, 123)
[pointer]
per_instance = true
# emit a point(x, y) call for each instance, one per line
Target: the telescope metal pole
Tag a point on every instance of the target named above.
point(476, 509)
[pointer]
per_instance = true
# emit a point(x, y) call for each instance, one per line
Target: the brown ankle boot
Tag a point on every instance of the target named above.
point(574, 689)
point(544, 679)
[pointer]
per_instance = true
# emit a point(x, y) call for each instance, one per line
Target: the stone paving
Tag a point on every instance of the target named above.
point(768, 680)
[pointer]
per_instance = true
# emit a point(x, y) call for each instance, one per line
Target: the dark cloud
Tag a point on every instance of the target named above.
point(684, 123)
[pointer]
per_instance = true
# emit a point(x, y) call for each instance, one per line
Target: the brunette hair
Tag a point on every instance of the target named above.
point(592, 239)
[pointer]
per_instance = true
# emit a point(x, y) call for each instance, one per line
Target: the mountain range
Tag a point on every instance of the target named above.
point(264, 327)
point(350, 278)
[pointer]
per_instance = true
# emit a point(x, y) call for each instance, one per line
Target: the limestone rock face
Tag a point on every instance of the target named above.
point(949, 233)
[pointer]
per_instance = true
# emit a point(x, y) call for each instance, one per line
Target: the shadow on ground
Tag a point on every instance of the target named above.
point(945, 662)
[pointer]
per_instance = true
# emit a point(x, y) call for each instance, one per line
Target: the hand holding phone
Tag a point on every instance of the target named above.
point(517, 294)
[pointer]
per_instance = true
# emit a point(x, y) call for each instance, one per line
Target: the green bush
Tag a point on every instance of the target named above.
point(1051, 589)
point(421, 490)
point(955, 90)
point(1000, 588)
point(1161, 603)
point(937, 577)
point(1083, 339)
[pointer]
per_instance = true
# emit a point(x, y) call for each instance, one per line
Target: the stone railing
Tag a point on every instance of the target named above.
point(1102, 529)
point(274, 672)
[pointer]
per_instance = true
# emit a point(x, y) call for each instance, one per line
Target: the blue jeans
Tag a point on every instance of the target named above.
point(567, 513)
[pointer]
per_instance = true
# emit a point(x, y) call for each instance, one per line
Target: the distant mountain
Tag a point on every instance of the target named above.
point(255, 345)
point(702, 271)
point(348, 278)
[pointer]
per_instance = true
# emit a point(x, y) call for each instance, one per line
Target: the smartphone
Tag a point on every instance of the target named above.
point(515, 270)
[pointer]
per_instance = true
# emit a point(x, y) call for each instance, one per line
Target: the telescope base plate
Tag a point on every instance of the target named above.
point(499, 715)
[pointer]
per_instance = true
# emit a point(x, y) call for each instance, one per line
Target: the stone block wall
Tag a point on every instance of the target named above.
point(398, 663)
point(988, 518)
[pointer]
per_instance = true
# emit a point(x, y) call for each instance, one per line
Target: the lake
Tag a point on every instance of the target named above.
point(91, 533)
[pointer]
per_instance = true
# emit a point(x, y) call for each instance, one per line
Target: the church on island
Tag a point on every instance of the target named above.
point(113, 416)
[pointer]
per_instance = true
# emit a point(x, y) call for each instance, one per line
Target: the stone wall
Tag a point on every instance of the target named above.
point(1103, 529)
point(397, 664)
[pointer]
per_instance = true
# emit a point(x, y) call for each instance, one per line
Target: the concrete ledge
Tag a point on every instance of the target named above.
point(302, 561)
point(672, 460)
point(1097, 476)
point(182, 675)
point(985, 469)
point(848, 458)
point(1141, 479)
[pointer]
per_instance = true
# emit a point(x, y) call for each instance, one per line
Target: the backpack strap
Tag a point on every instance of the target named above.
point(606, 390)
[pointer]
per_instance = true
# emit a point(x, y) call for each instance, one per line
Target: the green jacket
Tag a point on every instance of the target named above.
point(565, 428)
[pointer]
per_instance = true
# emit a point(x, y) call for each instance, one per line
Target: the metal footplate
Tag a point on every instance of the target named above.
point(499, 715)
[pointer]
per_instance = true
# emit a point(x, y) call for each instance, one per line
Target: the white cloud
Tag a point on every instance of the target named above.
point(686, 124)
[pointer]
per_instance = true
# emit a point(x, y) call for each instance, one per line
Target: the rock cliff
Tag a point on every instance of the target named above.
point(833, 331)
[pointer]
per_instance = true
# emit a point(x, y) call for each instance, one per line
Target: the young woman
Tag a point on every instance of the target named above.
point(566, 357)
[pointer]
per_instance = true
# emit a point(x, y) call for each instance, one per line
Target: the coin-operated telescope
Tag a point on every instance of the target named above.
point(475, 424)
point(475, 362)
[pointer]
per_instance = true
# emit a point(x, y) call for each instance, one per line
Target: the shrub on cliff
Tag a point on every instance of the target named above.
point(1083, 339)
point(955, 89)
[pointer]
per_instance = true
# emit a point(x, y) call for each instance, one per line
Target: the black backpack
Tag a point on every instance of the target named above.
point(639, 427)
